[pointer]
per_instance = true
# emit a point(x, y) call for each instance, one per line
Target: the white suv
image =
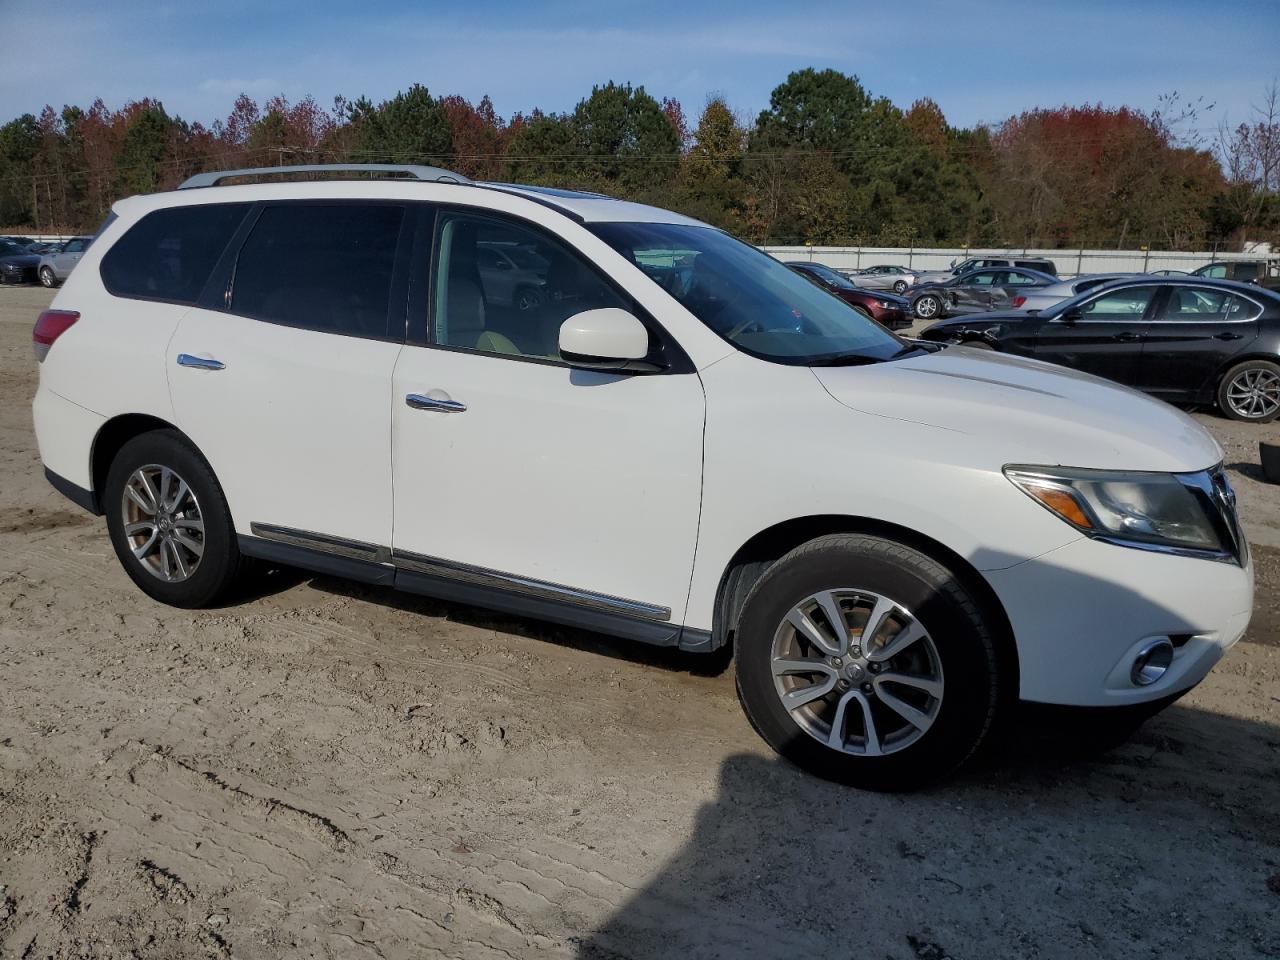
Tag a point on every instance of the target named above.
point(677, 440)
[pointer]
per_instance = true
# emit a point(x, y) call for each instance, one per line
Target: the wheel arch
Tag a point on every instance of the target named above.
point(113, 435)
point(761, 551)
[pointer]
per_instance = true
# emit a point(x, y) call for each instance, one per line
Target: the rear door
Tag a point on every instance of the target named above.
point(1102, 336)
point(282, 374)
point(1194, 334)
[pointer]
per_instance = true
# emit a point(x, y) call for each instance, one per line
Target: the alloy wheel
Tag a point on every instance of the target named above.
point(1254, 394)
point(46, 277)
point(926, 307)
point(857, 671)
point(162, 523)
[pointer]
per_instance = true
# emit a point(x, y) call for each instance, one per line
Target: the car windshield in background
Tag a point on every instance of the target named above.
point(830, 276)
point(752, 300)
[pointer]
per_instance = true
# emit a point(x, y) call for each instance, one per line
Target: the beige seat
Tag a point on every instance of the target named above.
point(464, 319)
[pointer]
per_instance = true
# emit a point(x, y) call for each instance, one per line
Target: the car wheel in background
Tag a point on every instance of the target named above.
point(47, 278)
point(527, 298)
point(867, 662)
point(1250, 391)
point(899, 286)
point(169, 521)
point(927, 307)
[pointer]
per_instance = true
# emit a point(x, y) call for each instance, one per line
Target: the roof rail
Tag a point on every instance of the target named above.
point(408, 171)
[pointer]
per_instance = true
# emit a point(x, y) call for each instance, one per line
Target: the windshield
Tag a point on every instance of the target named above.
point(752, 300)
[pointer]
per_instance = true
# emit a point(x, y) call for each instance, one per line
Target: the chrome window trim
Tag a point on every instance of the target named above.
point(483, 576)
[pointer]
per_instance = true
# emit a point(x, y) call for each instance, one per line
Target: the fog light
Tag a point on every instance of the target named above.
point(1151, 663)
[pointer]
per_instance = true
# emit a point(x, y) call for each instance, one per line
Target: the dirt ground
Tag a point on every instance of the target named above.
point(330, 770)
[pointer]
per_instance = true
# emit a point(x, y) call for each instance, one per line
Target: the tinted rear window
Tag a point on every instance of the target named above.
point(323, 267)
point(169, 254)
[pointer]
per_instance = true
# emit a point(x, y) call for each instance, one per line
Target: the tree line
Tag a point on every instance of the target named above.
point(826, 162)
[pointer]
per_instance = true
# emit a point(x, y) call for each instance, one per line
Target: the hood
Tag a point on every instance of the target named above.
point(884, 295)
point(1028, 411)
point(22, 259)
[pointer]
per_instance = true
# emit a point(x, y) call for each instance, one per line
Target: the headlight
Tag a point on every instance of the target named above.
point(1184, 512)
point(884, 304)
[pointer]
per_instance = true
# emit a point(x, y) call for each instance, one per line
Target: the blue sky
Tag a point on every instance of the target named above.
point(980, 61)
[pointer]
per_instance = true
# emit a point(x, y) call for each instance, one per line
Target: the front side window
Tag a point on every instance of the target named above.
point(74, 246)
point(169, 254)
point(324, 267)
point(1214, 271)
point(747, 297)
point(984, 279)
point(504, 288)
point(1128, 303)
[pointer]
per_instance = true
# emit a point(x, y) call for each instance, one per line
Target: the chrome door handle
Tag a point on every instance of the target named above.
point(200, 363)
point(421, 402)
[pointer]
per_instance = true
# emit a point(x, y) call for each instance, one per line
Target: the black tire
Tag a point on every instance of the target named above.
point(927, 312)
point(899, 286)
point(1268, 373)
point(47, 279)
point(960, 634)
point(219, 565)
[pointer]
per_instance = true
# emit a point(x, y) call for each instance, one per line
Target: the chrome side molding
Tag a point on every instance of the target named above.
point(351, 549)
point(461, 572)
point(542, 589)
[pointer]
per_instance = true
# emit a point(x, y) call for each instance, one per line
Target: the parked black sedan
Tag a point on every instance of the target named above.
point(16, 264)
point(1184, 339)
point(977, 291)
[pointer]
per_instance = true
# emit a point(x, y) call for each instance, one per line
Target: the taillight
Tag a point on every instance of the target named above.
point(1018, 301)
point(50, 325)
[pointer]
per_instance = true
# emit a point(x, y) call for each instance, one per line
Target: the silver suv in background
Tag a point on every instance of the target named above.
point(57, 264)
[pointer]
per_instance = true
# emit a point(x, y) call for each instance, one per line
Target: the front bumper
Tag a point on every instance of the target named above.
point(1081, 613)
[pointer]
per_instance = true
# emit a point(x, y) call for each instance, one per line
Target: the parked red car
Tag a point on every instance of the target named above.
point(887, 308)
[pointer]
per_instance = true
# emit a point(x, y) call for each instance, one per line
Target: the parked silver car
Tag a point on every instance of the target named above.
point(883, 276)
point(57, 264)
point(1040, 298)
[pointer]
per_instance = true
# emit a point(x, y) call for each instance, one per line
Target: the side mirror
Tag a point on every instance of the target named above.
point(1072, 316)
point(607, 339)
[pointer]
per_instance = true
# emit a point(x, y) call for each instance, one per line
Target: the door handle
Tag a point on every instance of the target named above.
point(1228, 335)
point(1128, 336)
point(422, 402)
point(200, 363)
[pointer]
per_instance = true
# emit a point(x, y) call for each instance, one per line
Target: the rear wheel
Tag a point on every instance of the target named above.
point(899, 286)
point(169, 521)
point(47, 278)
point(1250, 391)
point(866, 662)
point(928, 307)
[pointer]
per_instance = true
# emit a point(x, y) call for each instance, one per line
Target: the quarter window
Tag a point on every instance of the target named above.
point(169, 254)
point(504, 288)
point(325, 267)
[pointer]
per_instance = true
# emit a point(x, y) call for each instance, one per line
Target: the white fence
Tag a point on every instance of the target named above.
point(1069, 262)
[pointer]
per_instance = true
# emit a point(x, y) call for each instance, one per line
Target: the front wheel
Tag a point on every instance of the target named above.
point(1250, 391)
point(169, 521)
point(866, 662)
point(928, 307)
point(47, 278)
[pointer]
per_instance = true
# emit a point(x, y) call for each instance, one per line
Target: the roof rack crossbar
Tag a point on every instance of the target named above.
point(409, 171)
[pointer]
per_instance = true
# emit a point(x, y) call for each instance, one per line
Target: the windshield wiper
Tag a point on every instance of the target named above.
point(845, 360)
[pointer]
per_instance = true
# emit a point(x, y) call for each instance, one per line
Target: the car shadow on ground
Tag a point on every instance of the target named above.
point(1164, 847)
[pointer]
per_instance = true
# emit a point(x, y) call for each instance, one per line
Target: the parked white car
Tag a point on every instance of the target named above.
point(683, 443)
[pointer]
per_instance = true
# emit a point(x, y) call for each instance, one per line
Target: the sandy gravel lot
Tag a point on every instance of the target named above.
point(329, 770)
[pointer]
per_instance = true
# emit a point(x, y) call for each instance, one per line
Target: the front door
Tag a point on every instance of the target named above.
point(520, 473)
point(287, 388)
point(1102, 336)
